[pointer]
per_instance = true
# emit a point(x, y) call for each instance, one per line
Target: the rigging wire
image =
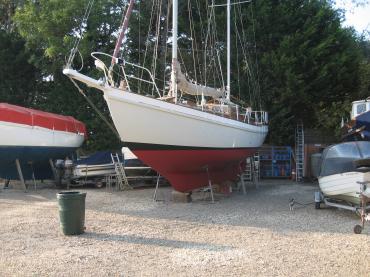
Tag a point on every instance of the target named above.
point(157, 38)
point(166, 47)
point(79, 38)
point(237, 64)
point(192, 38)
point(245, 59)
point(215, 39)
point(254, 80)
point(95, 108)
point(205, 50)
point(256, 60)
point(201, 76)
point(146, 47)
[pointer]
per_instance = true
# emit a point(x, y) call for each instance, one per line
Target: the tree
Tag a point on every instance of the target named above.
point(309, 65)
point(19, 80)
point(50, 28)
point(364, 91)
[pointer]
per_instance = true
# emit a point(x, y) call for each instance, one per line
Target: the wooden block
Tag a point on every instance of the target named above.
point(181, 197)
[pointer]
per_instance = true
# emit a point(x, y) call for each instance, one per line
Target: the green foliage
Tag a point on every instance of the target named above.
point(365, 70)
point(50, 28)
point(310, 66)
point(19, 80)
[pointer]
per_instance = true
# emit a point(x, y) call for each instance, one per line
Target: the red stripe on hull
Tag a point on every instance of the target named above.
point(186, 169)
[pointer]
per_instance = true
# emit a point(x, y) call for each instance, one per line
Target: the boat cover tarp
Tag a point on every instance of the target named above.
point(341, 157)
point(31, 117)
point(104, 157)
point(101, 157)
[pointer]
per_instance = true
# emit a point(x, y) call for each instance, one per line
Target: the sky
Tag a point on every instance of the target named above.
point(358, 17)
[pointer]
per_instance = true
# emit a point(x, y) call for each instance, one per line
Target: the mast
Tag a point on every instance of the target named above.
point(174, 49)
point(228, 50)
point(123, 31)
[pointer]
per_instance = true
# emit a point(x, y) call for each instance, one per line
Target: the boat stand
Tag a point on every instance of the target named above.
point(365, 216)
point(55, 172)
point(33, 176)
point(361, 209)
point(210, 188)
point(156, 189)
point(241, 185)
point(20, 174)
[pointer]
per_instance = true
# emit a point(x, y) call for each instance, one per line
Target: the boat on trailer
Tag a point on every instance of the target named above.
point(345, 178)
point(30, 139)
point(190, 144)
point(95, 165)
point(99, 165)
point(343, 167)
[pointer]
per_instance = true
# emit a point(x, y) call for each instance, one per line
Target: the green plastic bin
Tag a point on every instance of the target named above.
point(72, 212)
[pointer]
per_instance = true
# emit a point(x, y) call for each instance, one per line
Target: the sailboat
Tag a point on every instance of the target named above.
point(190, 144)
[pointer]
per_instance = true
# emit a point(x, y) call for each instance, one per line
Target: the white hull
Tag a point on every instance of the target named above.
point(344, 186)
point(15, 134)
point(87, 171)
point(90, 171)
point(140, 119)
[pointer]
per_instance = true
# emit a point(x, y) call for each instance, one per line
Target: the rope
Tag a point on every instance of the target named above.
point(292, 202)
point(95, 108)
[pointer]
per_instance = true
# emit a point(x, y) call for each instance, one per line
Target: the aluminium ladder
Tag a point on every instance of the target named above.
point(121, 178)
point(248, 172)
point(256, 167)
point(299, 152)
point(251, 172)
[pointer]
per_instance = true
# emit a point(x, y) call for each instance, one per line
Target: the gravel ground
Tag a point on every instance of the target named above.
point(127, 234)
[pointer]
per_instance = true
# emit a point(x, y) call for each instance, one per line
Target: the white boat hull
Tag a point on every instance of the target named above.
point(33, 146)
point(15, 134)
point(91, 171)
point(344, 186)
point(141, 119)
point(88, 171)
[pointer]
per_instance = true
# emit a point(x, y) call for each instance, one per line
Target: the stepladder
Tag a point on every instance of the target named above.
point(120, 174)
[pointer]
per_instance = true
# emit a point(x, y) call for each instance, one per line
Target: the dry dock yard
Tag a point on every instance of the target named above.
point(127, 234)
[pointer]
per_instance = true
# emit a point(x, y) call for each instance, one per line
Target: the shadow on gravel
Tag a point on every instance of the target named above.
point(156, 241)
